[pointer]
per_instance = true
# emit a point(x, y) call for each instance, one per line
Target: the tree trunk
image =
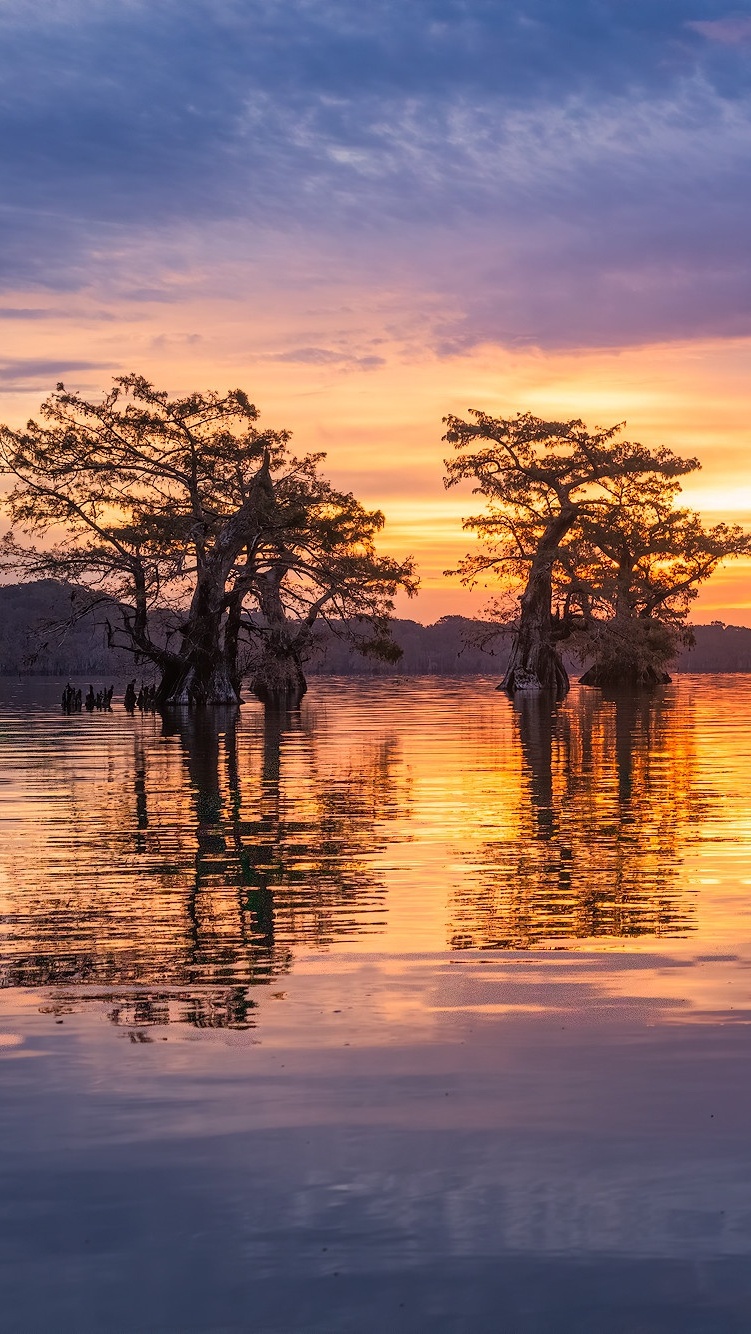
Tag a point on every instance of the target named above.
point(278, 678)
point(207, 668)
point(232, 632)
point(198, 680)
point(535, 663)
point(202, 675)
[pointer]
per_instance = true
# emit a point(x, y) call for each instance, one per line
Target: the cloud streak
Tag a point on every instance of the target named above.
point(19, 374)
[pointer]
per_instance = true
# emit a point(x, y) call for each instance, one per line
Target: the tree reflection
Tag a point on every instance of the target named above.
point(601, 820)
point(216, 852)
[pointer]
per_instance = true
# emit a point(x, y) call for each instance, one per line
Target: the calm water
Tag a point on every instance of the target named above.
point(414, 1010)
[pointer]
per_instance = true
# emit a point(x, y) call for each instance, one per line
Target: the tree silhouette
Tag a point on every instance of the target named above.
point(635, 569)
point(586, 519)
point(179, 516)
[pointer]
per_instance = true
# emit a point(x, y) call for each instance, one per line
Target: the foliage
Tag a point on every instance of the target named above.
point(184, 505)
point(586, 526)
point(533, 472)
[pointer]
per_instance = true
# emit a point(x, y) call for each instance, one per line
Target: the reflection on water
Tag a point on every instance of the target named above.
point(179, 864)
point(194, 854)
point(548, 1131)
point(605, 805)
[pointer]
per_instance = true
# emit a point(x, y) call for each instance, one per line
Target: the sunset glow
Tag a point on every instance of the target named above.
point(369, 229)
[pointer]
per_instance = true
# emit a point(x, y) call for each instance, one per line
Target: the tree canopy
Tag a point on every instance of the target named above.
point(209, 544)
point(584, 527)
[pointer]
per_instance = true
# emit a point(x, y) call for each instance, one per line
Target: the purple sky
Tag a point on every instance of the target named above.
point(559, 172)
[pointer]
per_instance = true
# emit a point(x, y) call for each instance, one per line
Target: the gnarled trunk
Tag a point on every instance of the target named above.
point(535, 663)
point(201, 673)
point(206, 669)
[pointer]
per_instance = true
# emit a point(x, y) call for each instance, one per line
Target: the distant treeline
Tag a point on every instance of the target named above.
point(454, 646)
point(32, 643)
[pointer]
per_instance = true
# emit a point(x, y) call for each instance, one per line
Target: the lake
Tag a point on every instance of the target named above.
point(416, 1009)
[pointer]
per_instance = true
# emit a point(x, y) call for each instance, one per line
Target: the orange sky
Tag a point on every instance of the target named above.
point(332, 368)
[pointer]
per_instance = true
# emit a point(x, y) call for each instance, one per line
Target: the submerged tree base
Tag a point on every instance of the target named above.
point(624, 677)
point(279, 681)
point(191, 687)
point(552, 677)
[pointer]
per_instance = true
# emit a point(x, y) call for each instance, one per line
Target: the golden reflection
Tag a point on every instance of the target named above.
point(192, 871)
point(594, 834)
point(167, 870)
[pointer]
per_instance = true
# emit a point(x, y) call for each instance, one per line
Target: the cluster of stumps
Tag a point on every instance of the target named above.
point(144, 701)
point(72, 700)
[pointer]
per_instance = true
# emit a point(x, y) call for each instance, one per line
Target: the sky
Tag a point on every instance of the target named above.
point(369, 216)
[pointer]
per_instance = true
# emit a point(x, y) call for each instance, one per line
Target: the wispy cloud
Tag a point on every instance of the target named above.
point(27, 313)
point(322, 356)
point(729, 31)
point(24, 373)
point(54, 313)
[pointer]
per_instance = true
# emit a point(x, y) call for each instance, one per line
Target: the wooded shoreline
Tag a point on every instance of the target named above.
point(449, 647)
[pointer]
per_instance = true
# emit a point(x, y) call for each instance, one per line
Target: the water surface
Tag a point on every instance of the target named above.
point(412, 1009)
